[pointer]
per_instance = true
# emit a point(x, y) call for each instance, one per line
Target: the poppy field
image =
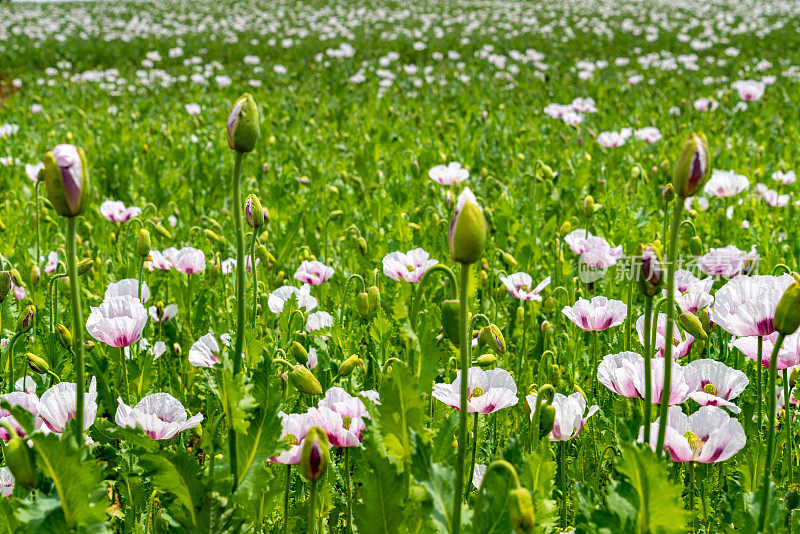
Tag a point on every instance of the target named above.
point(399, 267)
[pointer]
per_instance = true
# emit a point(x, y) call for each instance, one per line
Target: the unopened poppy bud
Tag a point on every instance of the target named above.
point(547, 419)
point(588, 206)
point(483, 278)
point(705, 320)
point(578, 389)
point(212, 235)
point(264, 256)
point(349, 365)
point(491, 337)
point(486, 360)
point(299, 352)
point(566, 228)
point(467, 235)
point(5, 285)
point(696, 246)
point(16, 277)
point(547, 172)
point(26, 318)
point(509, 260)
point(450, 320)
point(160, 310)
point(305, 381)
point(668, 193)
point(374, 298)
point(143, 243)
point(549, 305)
point(163, 232)
point(362, 304)
point(547, 329)
point(20, 459)
point(36, 275)
point(335, 215)
point(555, 375)
point(64, 336)
point(519, 316)
point(362, 245)
point(37, 364)
point(66, 177)
point(749, 267)
point(651, 275)
point(521, 510)
point(636, 172)
point(787, 314)
point(692, 325)
point(449, 199)
point(692, 166)
point(243, 126)
point(315, 455)
point(253, 212)
point(177, 348)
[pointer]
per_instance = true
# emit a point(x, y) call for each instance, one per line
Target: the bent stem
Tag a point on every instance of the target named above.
point(494, 466)
point(77, 326)
point(667, 389)
point(462, 415)
point(773, 371)
point(648, 386)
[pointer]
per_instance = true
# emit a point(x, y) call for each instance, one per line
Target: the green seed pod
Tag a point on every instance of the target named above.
point(588, 206)
point(243, 126)
point(468, 228)
point(304, 380)
point(787, 314)
point(349, 365)
point(362, 304)
point(450, 320)
point(37, 364)
point(253, 212)
point(84, 266)
point(315, 455)
point(20, 459)
point(36, 275)
point(691, 169)
point(300, 353)
point(696, 246)
point(491, 337)
point(374, 296)
point(66, 176)
point(691, 324)
point(486, 360)
point(26, 319)
point(64, 336)
point(143, 243)
point(521, 511)
point(5, 285)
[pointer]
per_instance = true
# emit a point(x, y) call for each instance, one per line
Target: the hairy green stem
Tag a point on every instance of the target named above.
point(255, 278)
point(462, 415)
point(240, 319)
point(77, 326)
point(648, 380)
point(788, 425)
point(773, 371)
point(474, 451)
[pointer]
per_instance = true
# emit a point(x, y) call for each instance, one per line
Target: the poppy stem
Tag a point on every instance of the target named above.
point(255, 278)
point(759, 380)
point(240, 319)
point(494, 466)
point(562, 449)
point(124, 365)
point(77, 326)
point(286, 498)
point(474, 451)
point(312, 520)
point(462, 415)
point(773, 362)
point(648, 386)
point(349, 490)
point(788, 424)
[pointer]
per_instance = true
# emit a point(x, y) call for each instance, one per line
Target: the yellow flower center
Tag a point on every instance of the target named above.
point(346, 421)
point(695, 443)
point(710, 389)
point(291, 439)
point(477, 392)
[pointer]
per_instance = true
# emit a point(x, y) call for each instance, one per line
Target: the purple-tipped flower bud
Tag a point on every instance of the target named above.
point(492, 337)
point(243, 128)
point(254, 212)
point(26, 318)
point(692, 166)
point(467, 236)
point(651, 274)
point(67, 179)
point(315, 455)
point(37, 364)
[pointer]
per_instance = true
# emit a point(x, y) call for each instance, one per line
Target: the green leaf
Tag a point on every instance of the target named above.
point(177, 473)
point(383, 492)
point(402, 411)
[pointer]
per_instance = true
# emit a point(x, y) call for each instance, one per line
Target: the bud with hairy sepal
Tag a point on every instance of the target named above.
point(491, 337)
point(66, 177)
point(362, 304)
point(692, 166)
point(692, 324)
point(651, 274)
point(668, 193)
point(5, 285)
point(19, 458)
point(64, 336)
point(36, 275)
point(254, 212)
point(450, 320)
point(787, 314)
point(521, 510)
point(315, 455)
point(243, 126)
point(486, 360)
point(36, 363)
point(374, 298)
point(143, 243)
point(349, 365)
point(467, 235)
point(696, 246)
point(547, 419)
point(588, 206)
point(304, 380)
point(299, 352)
point(26, 319)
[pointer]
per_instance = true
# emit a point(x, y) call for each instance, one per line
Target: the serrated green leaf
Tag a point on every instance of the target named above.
point(402, 412)
point(383, 491)
point(176, 473)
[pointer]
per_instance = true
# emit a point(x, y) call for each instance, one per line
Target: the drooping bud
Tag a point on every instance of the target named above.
point(696, 246)
point(492, 337)
point(315, 456)
point(243, 126)
point(5, 285)
point(26, 318)
point(449, 199)
point(362, 245)
point(509, 260)
point(692, 166)
point(651, 275)
point(787, 314)
point(160, 310)
point(300, 353)
point(253, 212)
point(36, 363)
point(450, 320)
point(84, 266)
point(66, 176)
point(555, 375)
point(374, 298)
point(547, 419)
point(16, 277)
point(691, 324)
point(467, 235)
point(304, 380)
point(521, 510)
point(263, 255)
point(349, 365)
point(143, 243)
point(177, 348)
point(705, 320)
point(64, 336)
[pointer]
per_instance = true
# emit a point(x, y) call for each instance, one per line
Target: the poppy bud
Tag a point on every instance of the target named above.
point(212, 235)
point(36, 275)
point(349, 365)
point(486, 360)
point(264, 256)
point(691, 168)
point(304, 380)
point(66, 176)
point(243, 124)
point(578, 389)
point(143, 243)
point(374, 298)
point(362, 245)
point(449, 199)
point(37, 364)
point(254, 212)
point(492, 337)
point(705, 320)
point(64, 336)
point(16, 277)
point(362, 304)
point(299, 352)
point(547, 329)
point(636, 172)
point(450, 320)
point(696, 246)
point(335, 215)
point(555, 375)
point(521, 510)
point(566, 227)
point(20, 459)
point(315, 456)
point(668, 193)
point(509, 260)
point(650, 276)
point(787, 314)
point(519, 316)
point(163, 232)
point(588, 206)
point(547, 419)
point(26, 318)
point(547, 172)
point(177, 348)
point(5, 285)
point(467, 235)
point(691, 324)
point(549, 305)
point(483, 278)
